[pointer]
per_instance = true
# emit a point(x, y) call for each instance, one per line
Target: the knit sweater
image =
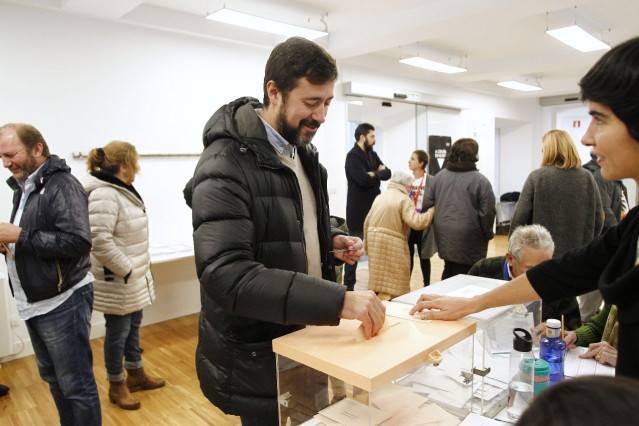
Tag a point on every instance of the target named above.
point(592, 331)
point(564, 201)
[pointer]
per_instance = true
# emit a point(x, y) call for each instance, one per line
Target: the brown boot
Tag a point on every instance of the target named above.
point(138, 380)
point(119, 394)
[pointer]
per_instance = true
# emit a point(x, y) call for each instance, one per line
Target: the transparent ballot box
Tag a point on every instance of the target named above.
point(333, 376)
point(493, 339)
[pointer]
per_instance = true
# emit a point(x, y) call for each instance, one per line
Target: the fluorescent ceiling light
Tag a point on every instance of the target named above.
point(515, 85)
point(240, 19)
point(577, 38)
point(432, 65)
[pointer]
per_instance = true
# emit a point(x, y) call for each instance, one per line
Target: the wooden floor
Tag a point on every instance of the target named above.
point(169, 352)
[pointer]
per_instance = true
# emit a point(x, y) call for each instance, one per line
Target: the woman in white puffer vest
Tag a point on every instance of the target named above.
point(121, 266)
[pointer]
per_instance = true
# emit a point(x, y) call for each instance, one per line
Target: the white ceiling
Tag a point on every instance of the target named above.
point(495, 39)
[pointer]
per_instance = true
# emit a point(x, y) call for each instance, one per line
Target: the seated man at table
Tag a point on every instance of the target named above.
point(527, 247)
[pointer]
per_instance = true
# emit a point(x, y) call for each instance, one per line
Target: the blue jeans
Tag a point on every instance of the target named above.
point(60, 341)
point(122, 340)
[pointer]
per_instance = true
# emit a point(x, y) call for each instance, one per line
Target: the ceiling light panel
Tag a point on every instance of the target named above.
point(575, 37)
point(515, 85)
point(432, 65)
point(244, 20)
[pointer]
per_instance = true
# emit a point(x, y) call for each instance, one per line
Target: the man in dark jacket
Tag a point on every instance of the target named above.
point(47, 246)
point(528, 246)
point(264, 247)
point(364, 173)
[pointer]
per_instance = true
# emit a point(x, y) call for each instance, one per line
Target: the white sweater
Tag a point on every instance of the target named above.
point(120, 233)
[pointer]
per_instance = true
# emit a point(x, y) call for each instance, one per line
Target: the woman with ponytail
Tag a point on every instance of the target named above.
point(121, 266)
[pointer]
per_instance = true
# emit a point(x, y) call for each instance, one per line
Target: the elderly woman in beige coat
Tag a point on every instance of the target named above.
point(385, 229)
point(121, 265)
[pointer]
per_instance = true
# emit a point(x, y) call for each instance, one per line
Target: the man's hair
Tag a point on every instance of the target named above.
point(422, 157)
point(29, 136)
point(591, 400)
point(111, 157)
point(362, 130)
point(298, 58)
point(401, 177)
point(614, 82)
point(465, 149)
point(533, 236)
point(560, 150)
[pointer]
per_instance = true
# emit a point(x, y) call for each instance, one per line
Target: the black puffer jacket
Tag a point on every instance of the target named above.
point(251, 259)
point(52, 252)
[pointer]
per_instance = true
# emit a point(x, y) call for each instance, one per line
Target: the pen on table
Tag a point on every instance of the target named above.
point(562, 326)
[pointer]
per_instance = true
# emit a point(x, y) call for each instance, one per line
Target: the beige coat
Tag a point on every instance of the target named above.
point(120, 234)
point(385, 230)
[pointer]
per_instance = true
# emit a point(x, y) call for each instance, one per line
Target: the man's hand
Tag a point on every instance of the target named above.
point(570, 339)
point(445, 308)
point(348, 249)
point(366, 307)
point(381, 167)
point(9, 233)
point(603, 352)
point(371, 174)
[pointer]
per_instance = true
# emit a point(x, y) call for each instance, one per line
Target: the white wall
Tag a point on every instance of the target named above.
point(84, 82)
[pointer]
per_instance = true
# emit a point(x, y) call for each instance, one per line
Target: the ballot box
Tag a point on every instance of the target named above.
point(493, 341)
point(334, 376)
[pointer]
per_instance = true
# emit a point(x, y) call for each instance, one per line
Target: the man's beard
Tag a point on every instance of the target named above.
point(293, 134)
point(28, 167)
point(368, 146)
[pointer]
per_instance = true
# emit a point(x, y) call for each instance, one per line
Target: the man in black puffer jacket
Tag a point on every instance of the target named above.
point(264, 247)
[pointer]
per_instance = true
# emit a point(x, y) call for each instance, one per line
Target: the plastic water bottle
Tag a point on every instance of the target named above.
point(553, 350)
point(521, 374)
point(521, 318)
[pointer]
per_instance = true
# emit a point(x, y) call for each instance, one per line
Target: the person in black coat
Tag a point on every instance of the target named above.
point(364, 172)
point(265, 252)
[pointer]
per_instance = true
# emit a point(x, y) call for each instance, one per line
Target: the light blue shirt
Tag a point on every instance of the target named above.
point(280, 144)
point(28, 310)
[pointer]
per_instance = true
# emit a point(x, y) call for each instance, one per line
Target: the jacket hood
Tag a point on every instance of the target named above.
point(226, 123)
point(53, 165)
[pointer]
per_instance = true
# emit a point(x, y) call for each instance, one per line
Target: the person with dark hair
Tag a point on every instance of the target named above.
point(589, 400)
point(364, 173)
point(265, 251)
point(465, 211)
point(610, 262)
point(614, 203)
point(423, 239)
point(47, 246)
point(121, 265)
